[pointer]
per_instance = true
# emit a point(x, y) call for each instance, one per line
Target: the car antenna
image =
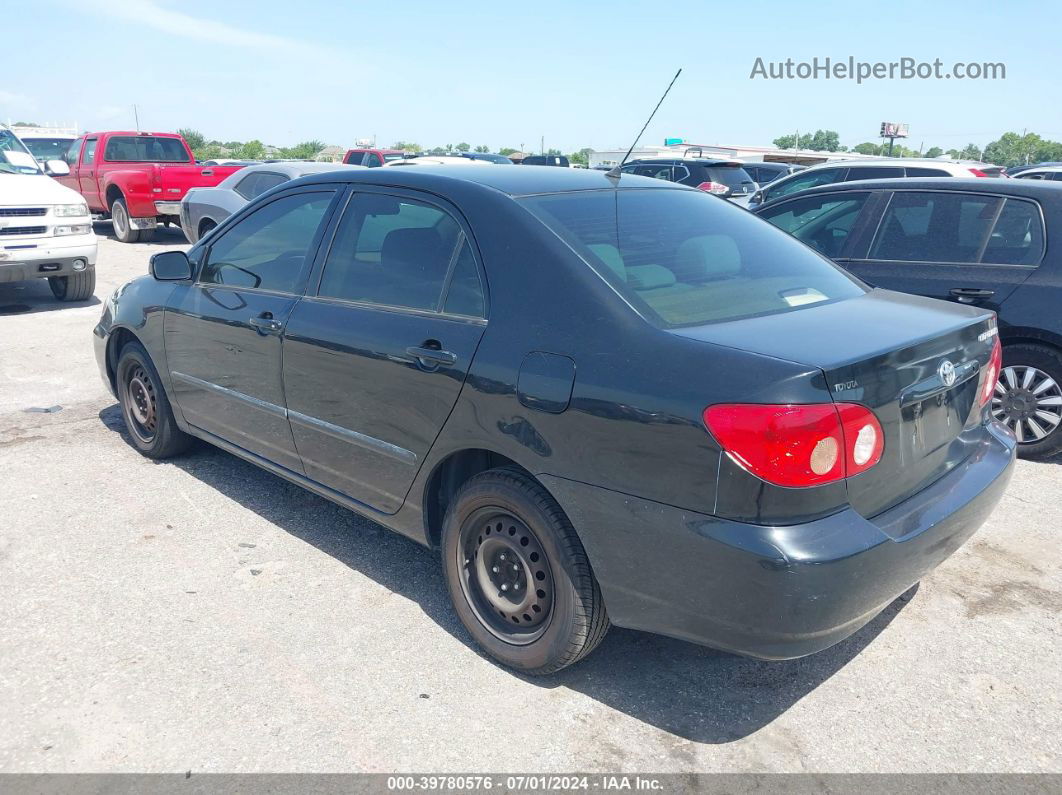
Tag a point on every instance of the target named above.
point(615, 172)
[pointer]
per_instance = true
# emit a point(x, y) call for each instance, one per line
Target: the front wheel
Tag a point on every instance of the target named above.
point(1028, 398)
point(145, 407)
point(518, 575)
point(76, 287)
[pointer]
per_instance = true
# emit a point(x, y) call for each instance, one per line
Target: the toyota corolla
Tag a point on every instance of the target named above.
point(603, 400)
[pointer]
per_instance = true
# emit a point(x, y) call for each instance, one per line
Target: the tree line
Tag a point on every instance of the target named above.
point(1010, 149)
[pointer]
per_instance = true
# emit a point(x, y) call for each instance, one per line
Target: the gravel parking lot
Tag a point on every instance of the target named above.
point(202, 614)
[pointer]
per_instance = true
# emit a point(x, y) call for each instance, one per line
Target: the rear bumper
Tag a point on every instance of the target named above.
point(168, 207)
point(776, 592)
point(48, 259)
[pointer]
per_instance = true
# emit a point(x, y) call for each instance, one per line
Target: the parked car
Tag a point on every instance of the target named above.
point(45, 228)
point(1040, 172)
point(45, 145)
point(500, 160)
point(1015, 170)
point(886, 168)
point(764, 172)
point(231, 162)
point(202, 209)
point(136, 179)
point(604, 401)
point(727, 179)
point(437, 160)
point(545, 160)
point(371, 158)
point(975, 242)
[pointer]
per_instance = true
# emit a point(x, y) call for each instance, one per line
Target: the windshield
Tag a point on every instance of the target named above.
point(14, 157)
point(682, 258)
point(393, 156)
point(45, 149)
point(145, 149)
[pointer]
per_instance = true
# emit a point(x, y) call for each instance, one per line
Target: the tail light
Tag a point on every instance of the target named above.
point(718, 188)
point(978, 172)
point(798, 445)
point(992, 370)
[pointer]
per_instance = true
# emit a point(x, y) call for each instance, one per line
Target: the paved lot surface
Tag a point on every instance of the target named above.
point(205, 615)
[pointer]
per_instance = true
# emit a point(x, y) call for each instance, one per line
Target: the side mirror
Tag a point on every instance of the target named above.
point(56, 168)
point(170, 266)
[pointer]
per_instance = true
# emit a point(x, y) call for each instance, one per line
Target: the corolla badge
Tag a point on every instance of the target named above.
point(946, 371)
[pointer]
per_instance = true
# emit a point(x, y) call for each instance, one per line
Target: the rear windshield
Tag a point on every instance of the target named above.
point(145, 149)
point(388, 157)
point(731, 176)
point(682, 258)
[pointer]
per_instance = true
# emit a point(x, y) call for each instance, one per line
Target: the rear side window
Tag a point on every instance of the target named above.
point(823, 221)
point(372, 160)
point(656, 172)
point(254, 185)
point(959, 228)
point(355, 158)
point(681, 259)
point(268, 249)
point(873, 172)
point(926, 172)
point(391, 251)
point(144, 149)
point(825, 176)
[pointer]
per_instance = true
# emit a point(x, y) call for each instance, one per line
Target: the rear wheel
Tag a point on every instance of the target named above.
point(1028, 398)
point(76, 287)
point(205, 228)
point(145, 408)
point(518, 575)
point(123, 226)
point(145, 235)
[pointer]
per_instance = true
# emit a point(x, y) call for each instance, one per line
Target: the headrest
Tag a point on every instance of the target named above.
point(707, 257)
point(649, 277)
point(609, 254)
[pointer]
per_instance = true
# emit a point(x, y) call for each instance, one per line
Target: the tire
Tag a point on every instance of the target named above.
point(145, 407)
point(145, 235)
point(1028, 398)
point(205, 228)
point(502, 518)
point(123, 227)
point(76, 287)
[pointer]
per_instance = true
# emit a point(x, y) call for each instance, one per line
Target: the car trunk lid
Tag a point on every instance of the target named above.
point(915, 362)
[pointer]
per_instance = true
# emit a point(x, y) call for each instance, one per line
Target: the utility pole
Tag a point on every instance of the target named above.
point(136, 117)
point(542, 145)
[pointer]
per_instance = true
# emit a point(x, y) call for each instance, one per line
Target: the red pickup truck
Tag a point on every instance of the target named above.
point(136, 178)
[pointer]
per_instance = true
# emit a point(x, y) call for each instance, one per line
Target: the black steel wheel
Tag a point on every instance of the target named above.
point(1028, 398)
point(145, 407)
point(518, 576)
point(505, 575)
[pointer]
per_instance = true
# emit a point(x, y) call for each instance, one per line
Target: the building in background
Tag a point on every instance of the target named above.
point(747, 154)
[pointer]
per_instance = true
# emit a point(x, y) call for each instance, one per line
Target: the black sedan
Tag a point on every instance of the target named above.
point(604, 400)
point(975, 242)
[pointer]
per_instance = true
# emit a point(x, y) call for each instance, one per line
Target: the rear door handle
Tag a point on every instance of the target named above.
point(265, 324)
point(432, 355)
point(968, 295)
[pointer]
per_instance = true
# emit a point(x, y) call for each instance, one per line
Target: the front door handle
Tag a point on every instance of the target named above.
point(967, 295)
point(432, 356)
point(265, 324)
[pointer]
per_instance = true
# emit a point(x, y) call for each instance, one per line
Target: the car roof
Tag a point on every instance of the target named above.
point(1051, 169)
point(701, 161)
point(523, 181)
point(1007, 187)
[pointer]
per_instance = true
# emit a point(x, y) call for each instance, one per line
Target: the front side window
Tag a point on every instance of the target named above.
point(391, 251)
point(681, 260)
point(268, 249)
point(90, 152)
point(144, 149)
point(823, 221)
point(962, 228)
point(825, 176)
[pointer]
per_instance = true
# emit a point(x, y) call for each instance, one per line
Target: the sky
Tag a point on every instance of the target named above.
point(578, 74)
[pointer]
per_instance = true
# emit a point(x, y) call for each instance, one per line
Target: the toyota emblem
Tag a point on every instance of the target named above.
point(946, 371)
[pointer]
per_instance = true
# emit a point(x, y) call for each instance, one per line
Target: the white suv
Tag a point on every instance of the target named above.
point(45, 228)
point(884, 168)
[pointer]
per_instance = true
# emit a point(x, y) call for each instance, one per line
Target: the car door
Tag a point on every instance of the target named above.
point(972, 248)
point(223, 333)
point(71, 158)
point(375, 358)
point(87, 183)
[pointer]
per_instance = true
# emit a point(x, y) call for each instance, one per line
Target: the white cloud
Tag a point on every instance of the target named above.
point(177, 23)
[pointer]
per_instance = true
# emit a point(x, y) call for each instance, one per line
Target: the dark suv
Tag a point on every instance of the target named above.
point(972, 241)
point(765, 172)
point(725, 178)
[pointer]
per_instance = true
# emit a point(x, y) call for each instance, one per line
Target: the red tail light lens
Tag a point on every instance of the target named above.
point(978, 172)
point(992, 370)
point(718, 188)
point(798, 445)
